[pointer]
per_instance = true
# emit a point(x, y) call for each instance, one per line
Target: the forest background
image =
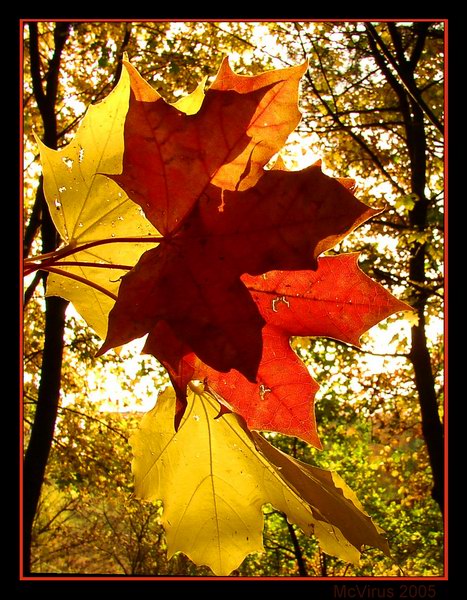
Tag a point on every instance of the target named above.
point(372, 106)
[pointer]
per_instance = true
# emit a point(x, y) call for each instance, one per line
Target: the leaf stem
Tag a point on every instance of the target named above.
point(80, 263)
point(43, 261)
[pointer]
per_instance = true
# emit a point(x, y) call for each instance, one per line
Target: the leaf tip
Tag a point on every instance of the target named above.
point(102, 350)
point(180, 407)
point(141, 89)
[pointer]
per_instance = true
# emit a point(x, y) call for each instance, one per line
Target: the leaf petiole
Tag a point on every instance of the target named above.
point(43, 261)
point(83, 263)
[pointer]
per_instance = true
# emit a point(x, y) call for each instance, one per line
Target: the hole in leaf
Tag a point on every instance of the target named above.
point(279, 299)
point(263, 390)
point(68, 162)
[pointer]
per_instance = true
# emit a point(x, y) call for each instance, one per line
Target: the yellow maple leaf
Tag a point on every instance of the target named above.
point(88, 207)
point(214, 476)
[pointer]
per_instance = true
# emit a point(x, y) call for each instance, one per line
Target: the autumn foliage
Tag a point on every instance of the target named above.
point(234, 269)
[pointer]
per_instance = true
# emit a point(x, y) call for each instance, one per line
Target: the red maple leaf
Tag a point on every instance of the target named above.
point(170, 157)
point(239, 242)
point(337, 301)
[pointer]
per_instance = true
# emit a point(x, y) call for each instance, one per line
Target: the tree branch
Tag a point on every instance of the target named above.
point(422, 28)
point(400, 68)
point(28, 294)
point(92, 418)
point(121, 50)
point(357, 138)
point(296, 546)
point(369, 352)
point(35, 220)
point(35, 65)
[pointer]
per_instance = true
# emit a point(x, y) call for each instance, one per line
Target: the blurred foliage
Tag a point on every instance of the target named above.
point(367, 408)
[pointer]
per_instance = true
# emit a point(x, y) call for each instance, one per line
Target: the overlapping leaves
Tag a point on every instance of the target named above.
point(234, 270)
point(93, 215)
point(214, 476)
point(200, 180)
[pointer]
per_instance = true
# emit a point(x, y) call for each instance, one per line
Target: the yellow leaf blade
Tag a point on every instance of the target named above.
point(212, 508)
point(213, 477)
point(191, 103)
point(87, 207)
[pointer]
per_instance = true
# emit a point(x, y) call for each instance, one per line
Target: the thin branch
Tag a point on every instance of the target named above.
point(393, 225)
point(398, 280)
point(323, 73)
point(382, 354)
point(347, 566)
point(262, 49)
point(422, 29)
point(62, 509)
point(83, 263)
point(372, 110)
point(407, 81)
point(273, 545)
point(91, 418)
point(357, 138)
point(369, 352)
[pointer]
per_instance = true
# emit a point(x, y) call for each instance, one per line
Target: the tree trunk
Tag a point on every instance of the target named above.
point(44, 421)
point(297, 550)
point(42, 431)
point(431, 424)
point(413, 110)
point(419, 354)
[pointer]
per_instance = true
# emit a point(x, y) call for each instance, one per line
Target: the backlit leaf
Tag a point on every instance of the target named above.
point(337, 300)
point(88, 207)
point(191, 103)
point(192, 281)
point(170, 157)
point(213, 478)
